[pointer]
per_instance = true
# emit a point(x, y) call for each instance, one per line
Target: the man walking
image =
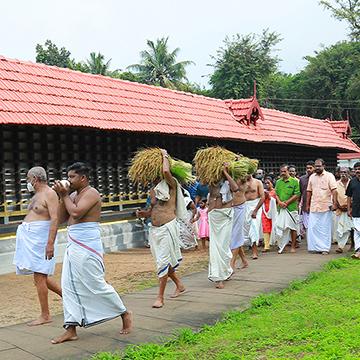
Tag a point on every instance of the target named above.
point(35, 240)
point(287, 222)
point(353, 205)
point(87, 298)
point(343, 222)
point(304, 180)
point(321, 200)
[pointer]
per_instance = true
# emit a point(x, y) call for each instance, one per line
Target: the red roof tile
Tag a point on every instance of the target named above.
point(349, 156)
point(37, 94)
point(342, 127)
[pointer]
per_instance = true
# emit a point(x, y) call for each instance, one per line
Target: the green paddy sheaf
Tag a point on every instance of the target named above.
point(317, 318)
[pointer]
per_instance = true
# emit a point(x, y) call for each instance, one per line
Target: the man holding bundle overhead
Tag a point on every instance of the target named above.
point(167, 204)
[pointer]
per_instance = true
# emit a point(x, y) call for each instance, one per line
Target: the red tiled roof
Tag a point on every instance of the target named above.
point(342, 127)
point(349, 156)
point(37, 94)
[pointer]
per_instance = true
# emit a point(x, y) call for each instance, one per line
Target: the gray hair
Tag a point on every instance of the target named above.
point(38, 172)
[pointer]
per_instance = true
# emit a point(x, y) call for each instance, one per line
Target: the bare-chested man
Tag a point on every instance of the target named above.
point(254, 199)
point(238, 189)
point(220, 214)
point(87, 298)
point(164, 232)
point(35, 240)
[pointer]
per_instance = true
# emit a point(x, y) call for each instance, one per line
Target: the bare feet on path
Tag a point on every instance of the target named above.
point(40, 321)
point(69, 335)
point(127, 319)
point(178, 292)
point(219, 285)
point(243, 266)
point(158, 304)
point(293, 250)
point(255, 257)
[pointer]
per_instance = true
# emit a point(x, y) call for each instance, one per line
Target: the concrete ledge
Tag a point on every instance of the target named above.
point(116, 236)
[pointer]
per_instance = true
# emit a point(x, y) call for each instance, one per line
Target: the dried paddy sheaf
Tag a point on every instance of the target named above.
point(147, 166)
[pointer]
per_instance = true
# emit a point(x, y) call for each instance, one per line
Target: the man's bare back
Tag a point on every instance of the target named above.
point(239, 195)
point(215, 199)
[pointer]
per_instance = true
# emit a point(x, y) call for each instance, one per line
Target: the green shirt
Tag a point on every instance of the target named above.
point(286, 189)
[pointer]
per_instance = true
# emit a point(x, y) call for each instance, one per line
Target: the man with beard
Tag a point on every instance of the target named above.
point(304, 180)
point(321, 201)
point(87, 298)
point(35, 239)
point(343, 222)
point(353, 205)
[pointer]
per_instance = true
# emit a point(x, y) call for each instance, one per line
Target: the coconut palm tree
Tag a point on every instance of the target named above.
point(158, 66)
point(97, 65)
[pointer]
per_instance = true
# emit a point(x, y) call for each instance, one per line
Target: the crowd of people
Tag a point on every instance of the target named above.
point(232, 215)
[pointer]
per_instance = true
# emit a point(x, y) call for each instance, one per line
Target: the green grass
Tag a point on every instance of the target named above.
point(318, 318)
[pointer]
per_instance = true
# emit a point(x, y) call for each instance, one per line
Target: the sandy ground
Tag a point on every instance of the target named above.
point(126, 271)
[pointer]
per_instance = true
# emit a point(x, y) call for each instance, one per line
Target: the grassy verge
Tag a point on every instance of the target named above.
point(318, 318)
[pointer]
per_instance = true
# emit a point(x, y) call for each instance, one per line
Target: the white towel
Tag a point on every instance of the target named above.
point(225, 192)
point(220, 224)
point(87, 298)
point(31, 241)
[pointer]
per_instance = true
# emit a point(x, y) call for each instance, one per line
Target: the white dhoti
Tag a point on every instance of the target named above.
point(304, 222)
point(87, 298)
point(344, 224)
point(286, 221)
point(237, 235)
point(319, 231)
point(220, 229)
point(356, 222)
point(165, 247)
point(252, 227)
point(30, 252)
point(187, 236)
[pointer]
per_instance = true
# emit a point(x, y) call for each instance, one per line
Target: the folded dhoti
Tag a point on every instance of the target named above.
point(237, 235)
point(356, 222)
point(344, 224)
point(165, 246)
point(252, 226)
point(187, 236)
point(319, 231)
point(220, 229)
point(87, 298)
point(30, 252)
point(285, 222)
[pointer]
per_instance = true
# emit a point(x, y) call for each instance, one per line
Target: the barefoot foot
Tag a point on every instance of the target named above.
point(127, 319)
point(293, 250)
point(69, 335)
point(40, 321)
point(178, 292)
point(219, 285)
point(158, 304)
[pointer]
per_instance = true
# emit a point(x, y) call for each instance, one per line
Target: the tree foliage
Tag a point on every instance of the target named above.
point(243, 59)
point(158, 65)
point(50, 54)
point(348, 10)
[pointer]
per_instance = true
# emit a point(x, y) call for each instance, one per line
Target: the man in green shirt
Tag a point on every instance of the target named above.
point(287, 223)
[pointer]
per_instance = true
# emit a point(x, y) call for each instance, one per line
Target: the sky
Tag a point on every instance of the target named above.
point(119, 29)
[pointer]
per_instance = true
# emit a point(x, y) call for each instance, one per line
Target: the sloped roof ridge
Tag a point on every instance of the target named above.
point(294, 115)
point(103, 77)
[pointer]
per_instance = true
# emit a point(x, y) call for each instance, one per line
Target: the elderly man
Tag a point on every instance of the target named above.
point(35, 239)
point(167, 201)
point(353, 205)
point(87, 298)
point(343, 222)
point(304, 180)
point(287, 222)
point(321, 200)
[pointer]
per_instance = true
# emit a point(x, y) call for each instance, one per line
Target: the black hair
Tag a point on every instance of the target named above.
point(356, 165)
point(292, 166)
point(310, 162)
point(80, 168)
point(284, 165)
point(322, 161)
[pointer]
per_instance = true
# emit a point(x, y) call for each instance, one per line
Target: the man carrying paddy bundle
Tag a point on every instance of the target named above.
point(238, 203)
point(167, 203)
point(87, 298)
point(35, 239)
point(255, 197)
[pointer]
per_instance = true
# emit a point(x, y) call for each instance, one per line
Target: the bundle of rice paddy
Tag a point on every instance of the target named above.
point(252, 164)
point(209, 163)
point(147, 166)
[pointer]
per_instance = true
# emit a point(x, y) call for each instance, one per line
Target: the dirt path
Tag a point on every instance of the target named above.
point(126, 271)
